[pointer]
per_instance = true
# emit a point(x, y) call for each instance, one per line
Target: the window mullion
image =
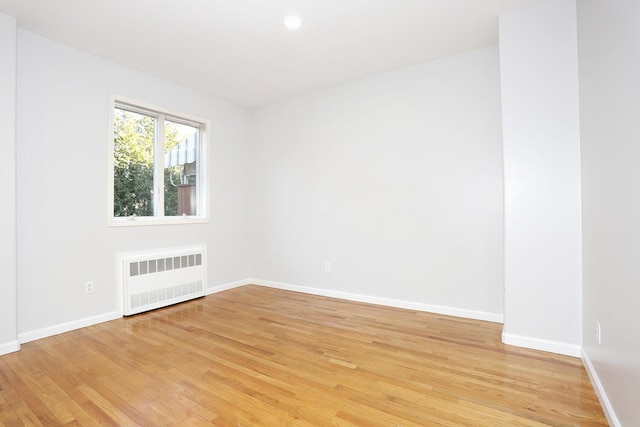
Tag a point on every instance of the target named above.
point(158, 172)
point(199, 172)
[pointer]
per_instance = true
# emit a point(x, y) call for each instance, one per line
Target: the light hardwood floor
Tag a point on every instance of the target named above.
point(255, 356)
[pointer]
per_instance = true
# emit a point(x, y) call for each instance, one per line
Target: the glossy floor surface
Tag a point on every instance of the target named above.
point(256, 356)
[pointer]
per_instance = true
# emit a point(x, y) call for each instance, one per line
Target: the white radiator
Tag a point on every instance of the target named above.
point(163, 277)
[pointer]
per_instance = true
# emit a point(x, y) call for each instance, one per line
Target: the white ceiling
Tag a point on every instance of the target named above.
point(240, 51)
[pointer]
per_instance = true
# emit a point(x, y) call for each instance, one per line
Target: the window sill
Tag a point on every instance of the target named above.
point(142, 221)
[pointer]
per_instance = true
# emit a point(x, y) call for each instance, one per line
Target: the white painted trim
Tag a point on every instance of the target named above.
point(544, 345)
point(227, 286)
point(410, 305)
point(154, 220)
point(9, 347)
point(600, 392)
point(66, 327)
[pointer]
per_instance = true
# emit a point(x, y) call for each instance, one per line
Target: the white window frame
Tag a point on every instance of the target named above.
point(202, 167)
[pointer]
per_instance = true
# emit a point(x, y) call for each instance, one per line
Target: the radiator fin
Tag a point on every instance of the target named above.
point(159, 295)
point(151, 266)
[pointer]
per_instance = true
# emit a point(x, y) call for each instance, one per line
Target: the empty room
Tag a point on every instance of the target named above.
point(320, 213)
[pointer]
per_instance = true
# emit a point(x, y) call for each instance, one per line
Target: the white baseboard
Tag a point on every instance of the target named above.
point(410, 305)
point(544, 345)
point(599, 388)
point(9, 347)
point(450, 311)
point(227, 286)
point(89, 321)
point(66, 327)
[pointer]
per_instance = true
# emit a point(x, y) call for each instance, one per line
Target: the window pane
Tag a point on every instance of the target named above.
point(134, 136)
point(181, 155)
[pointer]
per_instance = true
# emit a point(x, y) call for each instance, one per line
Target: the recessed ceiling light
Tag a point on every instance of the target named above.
point(292, 22)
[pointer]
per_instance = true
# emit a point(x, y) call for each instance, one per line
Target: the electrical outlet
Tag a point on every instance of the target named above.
point(88, 287)
point(327, 267)
point(598, 332)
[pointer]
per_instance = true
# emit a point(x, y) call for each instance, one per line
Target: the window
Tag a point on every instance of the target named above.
point(157, 167)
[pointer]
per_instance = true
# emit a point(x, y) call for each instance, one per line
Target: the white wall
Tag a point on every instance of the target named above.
point(609, 46)
point(8, 315)
point(396, 180)
point(63, 238)
point(540, 120)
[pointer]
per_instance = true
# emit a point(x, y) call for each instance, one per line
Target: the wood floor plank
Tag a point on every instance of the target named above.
point(256, 356)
